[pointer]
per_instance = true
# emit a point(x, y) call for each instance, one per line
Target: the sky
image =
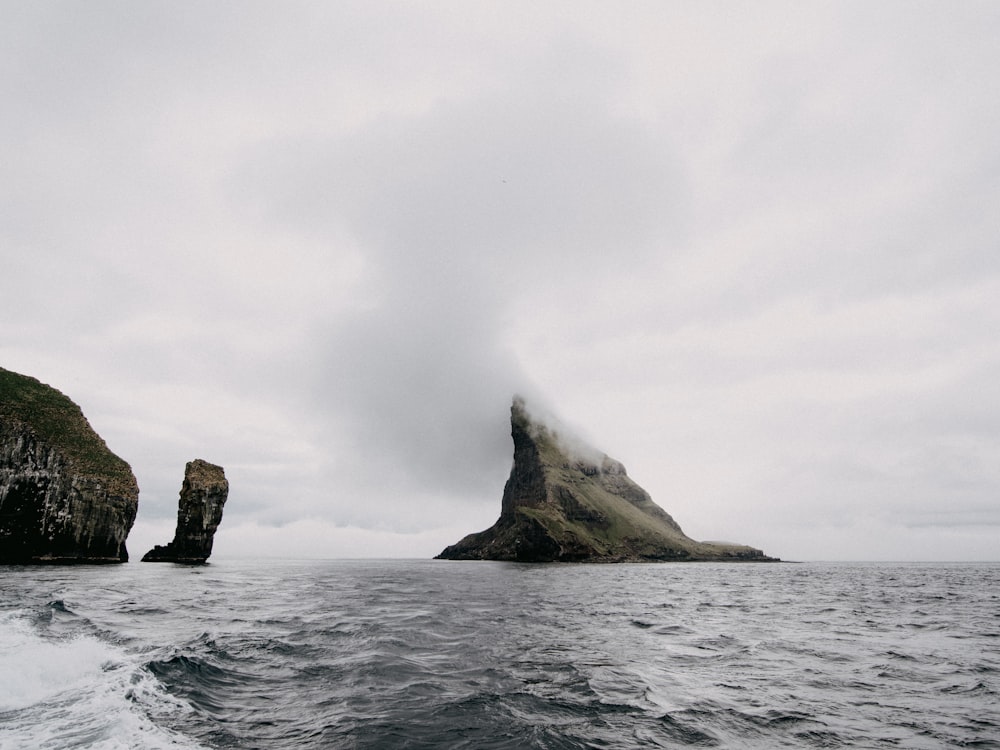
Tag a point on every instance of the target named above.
point(750, 250)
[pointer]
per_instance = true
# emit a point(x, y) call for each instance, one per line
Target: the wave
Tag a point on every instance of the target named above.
point(76, 690)
point(422, 655)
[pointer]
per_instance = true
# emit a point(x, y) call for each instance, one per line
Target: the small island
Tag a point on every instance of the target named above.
point(566, 502)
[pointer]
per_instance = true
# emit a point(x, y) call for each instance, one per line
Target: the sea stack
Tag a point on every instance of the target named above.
point(199, 514)
point(566, 502)
point(64, 496)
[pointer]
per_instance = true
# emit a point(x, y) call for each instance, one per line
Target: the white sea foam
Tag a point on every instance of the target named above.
point(78, 692)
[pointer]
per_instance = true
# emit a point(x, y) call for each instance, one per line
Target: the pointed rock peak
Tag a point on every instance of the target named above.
point(567, 501)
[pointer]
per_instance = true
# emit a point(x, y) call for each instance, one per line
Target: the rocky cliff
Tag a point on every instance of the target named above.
point(199, 513)
point(566, 502)
point(64, 496)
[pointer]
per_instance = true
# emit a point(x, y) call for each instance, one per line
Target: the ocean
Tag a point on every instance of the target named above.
point(438, 654)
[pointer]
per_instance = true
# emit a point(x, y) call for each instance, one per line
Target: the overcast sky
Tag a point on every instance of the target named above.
point(750, 250)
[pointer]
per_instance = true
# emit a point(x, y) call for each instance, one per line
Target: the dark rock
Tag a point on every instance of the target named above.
point(199, 514)
point(64, 496)
point(566, 502)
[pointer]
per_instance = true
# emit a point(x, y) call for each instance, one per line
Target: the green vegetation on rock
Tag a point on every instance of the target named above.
point(57, 421)
point(565, 501)
point(64, 496)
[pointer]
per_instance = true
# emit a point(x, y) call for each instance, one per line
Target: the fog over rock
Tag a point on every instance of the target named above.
point(568, 502)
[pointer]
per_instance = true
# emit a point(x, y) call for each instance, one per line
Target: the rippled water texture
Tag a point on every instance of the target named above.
point(422, 654)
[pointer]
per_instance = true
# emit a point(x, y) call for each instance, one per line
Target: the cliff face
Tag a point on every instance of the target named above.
point(199, 513)
point(64, 496)
point(567, 502)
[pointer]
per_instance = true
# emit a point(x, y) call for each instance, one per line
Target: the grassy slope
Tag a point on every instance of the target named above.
point(59, 422)
point(639, 526)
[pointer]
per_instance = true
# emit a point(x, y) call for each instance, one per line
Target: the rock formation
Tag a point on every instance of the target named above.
point(566, 502)
point(64, 496)
point(199, 514)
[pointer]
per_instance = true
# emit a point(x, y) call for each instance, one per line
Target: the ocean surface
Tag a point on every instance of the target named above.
point(438, 654)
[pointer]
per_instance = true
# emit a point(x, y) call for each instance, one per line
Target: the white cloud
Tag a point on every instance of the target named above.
point(752, 252)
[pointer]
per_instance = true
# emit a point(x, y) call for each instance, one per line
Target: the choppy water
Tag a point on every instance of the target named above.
point(426, 654)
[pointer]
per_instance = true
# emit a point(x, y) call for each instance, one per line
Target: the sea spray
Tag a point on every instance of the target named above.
point(76, 690)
